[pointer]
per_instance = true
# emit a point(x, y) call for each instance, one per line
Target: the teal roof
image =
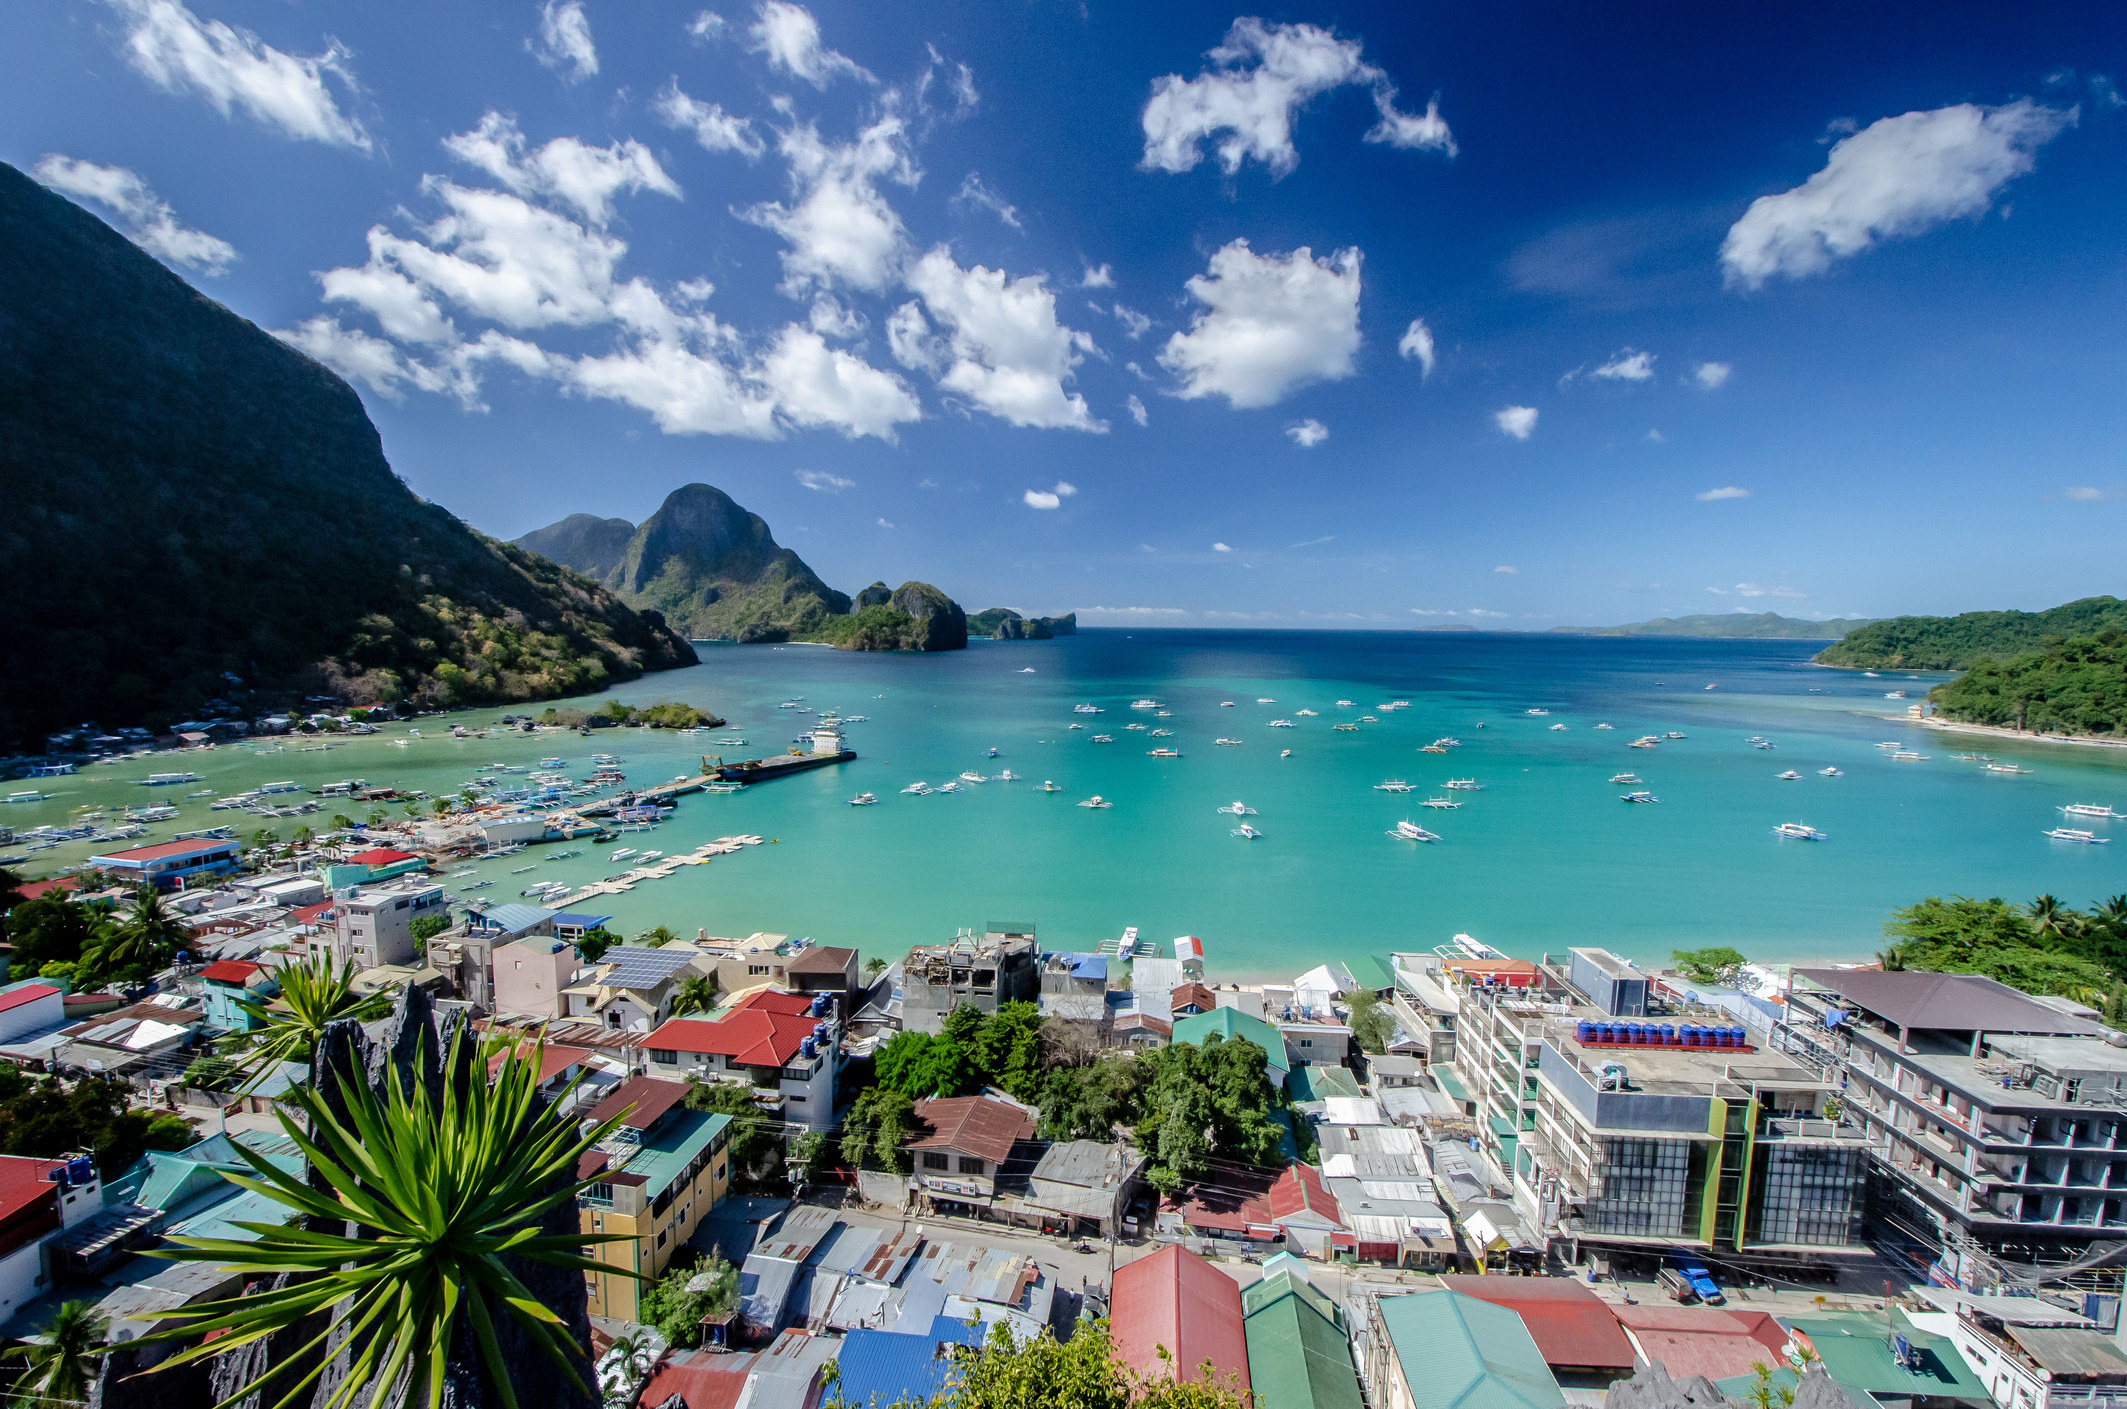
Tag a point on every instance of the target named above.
point(220, 1220)
point(1450, 1083)
point(1856, 1351)
point(1461, 1353)
point(1372, 972)
point(1312, 1083)
point(1226, 1023)
point(168, 1179)
point(672, 1146)
point(1298, 1354)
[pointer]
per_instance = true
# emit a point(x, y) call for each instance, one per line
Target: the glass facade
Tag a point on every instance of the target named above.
point(1807, 1194)
point(1639, 1187)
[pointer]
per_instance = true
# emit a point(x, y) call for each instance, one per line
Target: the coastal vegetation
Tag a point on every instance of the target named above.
point(46, 1118)
point(1959, 642)
point(2077, 686)
point(2046, 947)
point(1716, 964)
point(674, 1308)
point(155, 448)
point(88, 947)
point(1004, 624)
point(665, 714)
point(1735, 626)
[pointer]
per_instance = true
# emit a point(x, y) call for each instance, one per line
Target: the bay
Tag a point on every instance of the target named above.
point(1544, 857)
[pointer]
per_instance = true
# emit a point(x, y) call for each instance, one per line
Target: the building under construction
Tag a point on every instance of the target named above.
point(999, 965)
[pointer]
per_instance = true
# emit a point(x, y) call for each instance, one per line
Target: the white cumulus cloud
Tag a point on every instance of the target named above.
point(838, 226)
point(234, 69)
point(1048, 498)
point(1308, 433)
point(1000, 344)
point(823, 481)
point(1417, 341)
point(1101, 278)
point(975, 195)
point(1627, 366)
point(1259, 78)
point(564, 40)
point(145, 217)
point(1220, 548)
point(1135, 324)
point(790, 37)
point(1270, 323)
point(565, 169)
point(1711, 375)
point(1137, 411)
point(715, 129)
point(1726, 491)
point(1899, 176)
point(706, 26)
point(1516, 421)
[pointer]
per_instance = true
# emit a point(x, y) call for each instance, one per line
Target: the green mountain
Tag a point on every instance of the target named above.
point(1958, 642)
point(1740, 626)
point(715, 572)
point(199, 517)
point(1004, 624)
point(2076, 686)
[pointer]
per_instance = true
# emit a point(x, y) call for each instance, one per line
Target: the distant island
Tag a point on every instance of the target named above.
point(1959, 642)
point(714, 571)
point(201, 523)
point(1732, 626)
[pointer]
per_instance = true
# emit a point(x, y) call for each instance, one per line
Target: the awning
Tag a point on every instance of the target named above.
point(1449, 1084)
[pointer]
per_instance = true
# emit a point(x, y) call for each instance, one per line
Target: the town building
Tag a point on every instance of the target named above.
point(2032, 1354)
point(226, 985)
point(958, 1147)
point(172, 864)
point(1444, 1350)
point(629, 989)
point(1718, 1342)
point(1299, 1349)
point(531, 975)
point(1575, 1331)
point(1189, 1000)
point(1886, 1360)
point(29, 1007)
point(372, 867)
point(785, 1046)
point(656, 1177)
point(826, 968)
point(1995, 1119)
point(39, 1200)
point(1074, 987)
point(142, 1040)
point(1176, 1302)
point(373, 926)
point(982, 971)
point(1226, 1024)
point(1084, 1186)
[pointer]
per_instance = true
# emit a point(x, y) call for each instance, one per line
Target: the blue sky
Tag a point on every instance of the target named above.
point(1501, 315)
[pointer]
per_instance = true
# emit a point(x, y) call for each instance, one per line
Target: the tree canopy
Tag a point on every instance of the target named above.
point(2046, 949)
point(1714, 964)
point(2077, 686)
point(1206, 1102)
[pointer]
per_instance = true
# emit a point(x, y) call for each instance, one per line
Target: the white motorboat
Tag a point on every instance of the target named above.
point(1144, 704)
point(1345, 728)
point(1537, 712)
point(1026, 670)
point(1604, 726)
point(1908, 756)
point(621, 855)
point(1831, 772)
point(1285, 753)
point(1394, 785)
point(641, 856)
point(1103, 738)
point(1441, 804)
point(1161, 734)
point(1283, 724)
point(973, 778)
point(1246, 832)
point(1008, 776)
point(1344, 704)
point(1559, 728)
point(1463, 785)
point(2090, 809)
point(1797, 831)
point(1225, 704)
point(1085, 709)
point(1227, 743)
point(2077, 834)
point(917, 789)
point(1674, 734)
point(951, 788)
point(1238, 809)
point(1639, 797)
point(1307, 713)
point(1411, 831)
point(1790, 776)
point(1096, 801)
point(1049, 786)
point(1265, 699)
point(1137, 726)
point(2005, 768)
point(1628, 780)
point(1163, 753)
point(862, 800)
point(1645, 741)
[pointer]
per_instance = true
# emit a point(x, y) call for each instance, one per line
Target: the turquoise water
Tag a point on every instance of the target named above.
point(1544, 857)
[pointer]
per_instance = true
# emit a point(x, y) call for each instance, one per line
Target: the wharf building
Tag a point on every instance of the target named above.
point(1998, 1121)
point(1633, 1123)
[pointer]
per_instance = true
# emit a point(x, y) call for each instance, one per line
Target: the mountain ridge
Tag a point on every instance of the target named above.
point(1730, 626)
point(202, 517)
point(1962, 641)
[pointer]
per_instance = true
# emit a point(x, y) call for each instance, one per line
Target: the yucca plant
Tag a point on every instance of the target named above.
point(407, 1251)
point(314, 993)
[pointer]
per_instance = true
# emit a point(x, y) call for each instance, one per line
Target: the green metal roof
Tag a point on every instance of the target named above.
point(1461, 1353)
point(672, 1146)
point(1449, 1083)
point(1372, 972)
point(1225, 1023)
point(1312, 1083)
point(1856, 1351)
point(1298, 1356)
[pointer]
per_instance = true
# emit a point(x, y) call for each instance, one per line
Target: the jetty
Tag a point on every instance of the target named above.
point(657, 870)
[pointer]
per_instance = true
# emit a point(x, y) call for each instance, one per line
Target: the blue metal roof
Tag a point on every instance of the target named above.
point(512, 917)
point(1086, 966)
point(880, 1368)
point(581, 917)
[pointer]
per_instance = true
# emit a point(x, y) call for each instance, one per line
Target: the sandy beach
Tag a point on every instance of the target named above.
point(1951, 726)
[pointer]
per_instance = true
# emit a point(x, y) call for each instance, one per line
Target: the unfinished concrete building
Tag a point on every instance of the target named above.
point(1000, 965)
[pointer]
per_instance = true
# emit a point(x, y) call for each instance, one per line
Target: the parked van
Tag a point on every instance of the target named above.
point(1676, 1284)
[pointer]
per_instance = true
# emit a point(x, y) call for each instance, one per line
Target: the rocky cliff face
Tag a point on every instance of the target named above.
point(196, 512)
point(941, 624)
point(713, 570)
point(1004, 624)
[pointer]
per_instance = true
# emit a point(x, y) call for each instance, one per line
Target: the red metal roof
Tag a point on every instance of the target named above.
point(554, 1059)
point(701, 1379)
point(1178, 1300)
point(36, 890)
point(230, 971)
point(749, 1036)
point(1571, 1325)
point(640, 1101)
point(1704, 1340)
point(1237, 1202)
point(310, 914)
point(29, 993)
point(1300, 1190)
point(380, 856)
point(774, 1000)
point(1192, 993)
point(980, 1125)
point(163, 850)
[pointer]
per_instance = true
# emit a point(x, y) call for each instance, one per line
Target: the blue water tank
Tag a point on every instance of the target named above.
point(809, 1046)
point(80, 1171)
point(821, 1002)
point(1668, 1033)
point(1583, 1030)
point(1636, 1034)
point(1739, 1037)
point(1693, 1034)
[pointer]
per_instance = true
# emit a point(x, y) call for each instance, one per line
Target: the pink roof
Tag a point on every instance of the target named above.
point(1238, 1202)
point(230, 971)
point(1300, 1190)
point(29, 993)
point(1704, 1340)
point(381, 856)
point(1178, 1300)
point(163, 850)
point(1572, 1326)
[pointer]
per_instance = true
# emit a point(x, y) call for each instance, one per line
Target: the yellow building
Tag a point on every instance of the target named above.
point(658, 1176)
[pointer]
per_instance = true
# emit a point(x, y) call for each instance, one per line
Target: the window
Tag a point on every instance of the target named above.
point(970, 1166)
point(664, 1057)
point(1307, 1042)
point(933, 1160)
point(756, 969)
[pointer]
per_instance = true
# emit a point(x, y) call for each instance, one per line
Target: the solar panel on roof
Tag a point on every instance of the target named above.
point(638, 967)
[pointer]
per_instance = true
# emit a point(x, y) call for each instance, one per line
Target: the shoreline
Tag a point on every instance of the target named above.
point(1998, 731)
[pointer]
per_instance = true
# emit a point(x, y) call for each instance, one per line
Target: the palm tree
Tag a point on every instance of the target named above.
point(2048, 915)
point(405, 1252)
point(696, 994)
point(873, 967)
point(63, 1356)
point(144, 940)
point(657, 935)
point(313, 993)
